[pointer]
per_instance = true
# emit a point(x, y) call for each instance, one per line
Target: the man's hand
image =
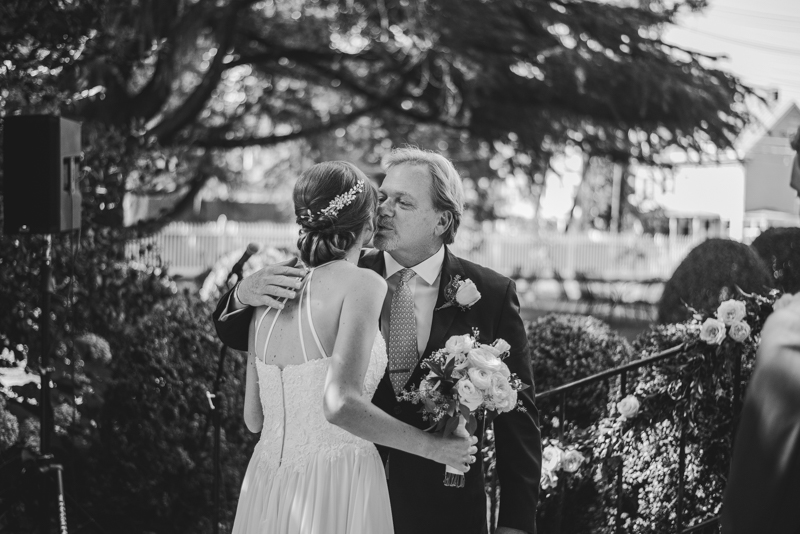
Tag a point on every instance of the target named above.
point(264, 287)
point(507, 530)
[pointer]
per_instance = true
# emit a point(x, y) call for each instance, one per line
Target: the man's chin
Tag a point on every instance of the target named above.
point(383, 244)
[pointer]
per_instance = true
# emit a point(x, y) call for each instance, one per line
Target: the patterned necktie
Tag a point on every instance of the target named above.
point(402, 347)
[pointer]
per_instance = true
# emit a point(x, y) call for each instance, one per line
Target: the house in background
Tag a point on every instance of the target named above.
point(769, 200)
point(738, 196)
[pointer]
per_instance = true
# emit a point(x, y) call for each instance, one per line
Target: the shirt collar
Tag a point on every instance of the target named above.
point(428, 270)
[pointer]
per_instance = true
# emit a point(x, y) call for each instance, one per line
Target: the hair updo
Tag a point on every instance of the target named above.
point(328, 236)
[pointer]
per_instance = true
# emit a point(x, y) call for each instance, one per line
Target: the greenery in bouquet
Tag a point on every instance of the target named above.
point(465, 378)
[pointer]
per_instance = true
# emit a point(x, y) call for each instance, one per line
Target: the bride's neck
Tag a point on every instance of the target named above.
point(353, 255)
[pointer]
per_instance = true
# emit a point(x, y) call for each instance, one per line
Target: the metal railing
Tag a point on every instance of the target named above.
point(622, 372)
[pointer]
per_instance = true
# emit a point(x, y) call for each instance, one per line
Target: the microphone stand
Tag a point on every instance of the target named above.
point(216, 404)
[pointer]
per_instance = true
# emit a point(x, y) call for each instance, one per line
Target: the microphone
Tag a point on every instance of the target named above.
point(236, 270)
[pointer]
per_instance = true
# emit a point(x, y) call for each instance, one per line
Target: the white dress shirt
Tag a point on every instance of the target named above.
point(424, 289)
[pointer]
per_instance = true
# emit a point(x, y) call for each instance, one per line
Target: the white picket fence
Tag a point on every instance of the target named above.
point(191, 248)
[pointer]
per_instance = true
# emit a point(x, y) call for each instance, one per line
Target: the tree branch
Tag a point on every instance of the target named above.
point(155, 224)
point(166, 130)
point(270, 140)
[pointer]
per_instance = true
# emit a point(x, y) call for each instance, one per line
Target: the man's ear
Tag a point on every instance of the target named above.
point(443, 223)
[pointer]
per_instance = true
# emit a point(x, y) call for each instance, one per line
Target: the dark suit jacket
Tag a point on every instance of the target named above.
point(420, 501)
point(763, 490)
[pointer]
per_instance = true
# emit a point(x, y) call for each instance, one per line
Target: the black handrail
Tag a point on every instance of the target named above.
point(622, 372)
point(612, 372)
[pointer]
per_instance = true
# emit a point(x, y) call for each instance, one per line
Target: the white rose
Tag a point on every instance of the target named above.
point(548, 479)
point(467, 294)
point(481, 378)
point(468, 394)
point(551, 458)
point(712, 331)
point(506, 404)
point(501, 345)
point(572, 461)
point(480, 358)
point(458, 344)
point(731, 311)
point(628, 407)
point(739, 331)
point(500, 389)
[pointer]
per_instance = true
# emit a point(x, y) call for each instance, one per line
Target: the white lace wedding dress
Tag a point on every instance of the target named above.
point(307, 476)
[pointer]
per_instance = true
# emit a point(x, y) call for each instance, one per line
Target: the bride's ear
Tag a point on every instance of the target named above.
point(368, 232)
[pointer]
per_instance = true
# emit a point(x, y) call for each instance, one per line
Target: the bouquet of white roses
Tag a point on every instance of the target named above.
point(465, 378)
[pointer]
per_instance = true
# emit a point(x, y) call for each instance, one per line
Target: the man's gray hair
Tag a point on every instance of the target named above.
point(447, 191)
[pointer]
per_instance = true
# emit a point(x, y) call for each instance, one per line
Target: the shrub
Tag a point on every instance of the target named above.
point(694, 388)
point(779, 248)
point(153, 466)
point(565, 348)
point(710, 273)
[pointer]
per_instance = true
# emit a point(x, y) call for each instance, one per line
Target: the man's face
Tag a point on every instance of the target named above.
point(407, 221)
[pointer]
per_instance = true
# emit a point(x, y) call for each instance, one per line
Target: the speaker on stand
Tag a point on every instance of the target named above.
point(41, 156)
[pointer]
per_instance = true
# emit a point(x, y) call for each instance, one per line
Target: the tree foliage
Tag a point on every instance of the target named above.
point(177, 84)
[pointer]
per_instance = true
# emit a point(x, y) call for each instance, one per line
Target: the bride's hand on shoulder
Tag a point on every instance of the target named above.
point(457, 452)
point(265, 287)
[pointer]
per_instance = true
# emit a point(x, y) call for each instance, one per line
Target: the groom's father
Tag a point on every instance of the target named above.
point(421, 203)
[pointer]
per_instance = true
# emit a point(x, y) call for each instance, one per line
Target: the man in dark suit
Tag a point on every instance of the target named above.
point(763, 490)
point(421, 202)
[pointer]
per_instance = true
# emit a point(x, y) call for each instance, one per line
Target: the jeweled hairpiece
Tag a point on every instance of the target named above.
point(340, 201)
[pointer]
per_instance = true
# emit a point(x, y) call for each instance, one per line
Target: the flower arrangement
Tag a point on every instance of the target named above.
point(465, 378)
point(556, 458)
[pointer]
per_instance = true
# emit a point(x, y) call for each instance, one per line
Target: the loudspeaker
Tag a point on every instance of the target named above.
point(41, 156)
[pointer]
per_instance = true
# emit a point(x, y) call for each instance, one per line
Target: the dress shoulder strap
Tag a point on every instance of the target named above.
point(311, 322)
point(269, 334)
point(307, 288)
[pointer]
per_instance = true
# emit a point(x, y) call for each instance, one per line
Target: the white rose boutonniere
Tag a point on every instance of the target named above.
point(461, 293)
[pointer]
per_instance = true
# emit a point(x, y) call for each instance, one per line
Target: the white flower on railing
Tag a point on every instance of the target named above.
point(551, 458)
point(731, 311)
point(712, 331)
point(739, 332)
point(554, 459)
point(628, 407)
point(548, 479)
point(572, 461)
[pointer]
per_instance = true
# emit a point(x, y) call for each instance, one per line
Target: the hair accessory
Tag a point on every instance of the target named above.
point(340, 201)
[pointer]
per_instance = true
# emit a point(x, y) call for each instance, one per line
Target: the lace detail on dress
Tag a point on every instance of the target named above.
point(295, 430)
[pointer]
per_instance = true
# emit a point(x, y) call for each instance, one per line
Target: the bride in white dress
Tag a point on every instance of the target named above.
point(313, 366)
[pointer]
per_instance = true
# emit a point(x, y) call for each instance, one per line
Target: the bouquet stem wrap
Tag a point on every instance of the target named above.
point(454, 478)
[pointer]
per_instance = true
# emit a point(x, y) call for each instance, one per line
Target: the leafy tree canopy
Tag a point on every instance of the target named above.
point(168, 85)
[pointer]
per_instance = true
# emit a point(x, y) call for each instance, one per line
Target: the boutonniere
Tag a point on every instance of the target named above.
point(461, 293)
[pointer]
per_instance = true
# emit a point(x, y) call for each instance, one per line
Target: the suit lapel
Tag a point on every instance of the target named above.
point(442, 319)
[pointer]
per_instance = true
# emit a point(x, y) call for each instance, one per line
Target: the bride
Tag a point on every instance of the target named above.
point(313, 365)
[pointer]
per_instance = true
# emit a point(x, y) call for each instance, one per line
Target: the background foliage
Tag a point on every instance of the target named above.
point(710, 273)
point(779, 248)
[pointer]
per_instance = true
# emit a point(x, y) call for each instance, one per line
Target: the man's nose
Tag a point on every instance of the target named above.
point(384, 209)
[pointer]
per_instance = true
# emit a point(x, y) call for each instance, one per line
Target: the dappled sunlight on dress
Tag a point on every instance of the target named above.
point(307, 476)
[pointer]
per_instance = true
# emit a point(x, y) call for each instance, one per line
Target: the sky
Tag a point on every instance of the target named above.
point(761, 40)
